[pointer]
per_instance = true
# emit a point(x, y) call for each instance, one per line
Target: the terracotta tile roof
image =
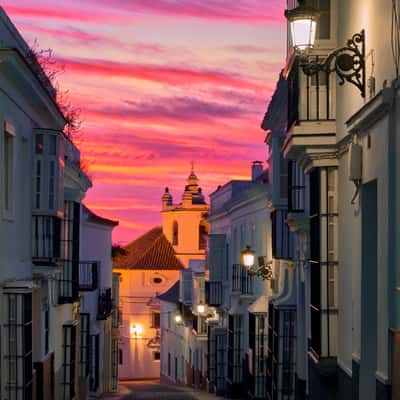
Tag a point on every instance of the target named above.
point(150, 251)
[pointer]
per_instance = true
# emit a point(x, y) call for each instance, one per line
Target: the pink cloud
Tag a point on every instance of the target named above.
point(238, 10)
point(172, 75)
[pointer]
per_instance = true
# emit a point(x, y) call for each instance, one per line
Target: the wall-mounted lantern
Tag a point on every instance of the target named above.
point(348, 62)
point(136, 330)
point(247, 259)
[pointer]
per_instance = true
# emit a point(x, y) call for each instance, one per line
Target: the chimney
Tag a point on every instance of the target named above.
point(256, 169)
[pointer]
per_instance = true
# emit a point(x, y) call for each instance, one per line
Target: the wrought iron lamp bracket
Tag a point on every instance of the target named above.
point(264, 272)
point(348, 62)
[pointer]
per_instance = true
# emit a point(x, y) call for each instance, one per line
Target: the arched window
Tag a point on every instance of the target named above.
point(175, 233)
point(202, 236)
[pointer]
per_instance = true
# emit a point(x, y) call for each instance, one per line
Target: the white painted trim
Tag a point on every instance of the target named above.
point(381, 377)
point(356, 358)
point(346, 369)
point(9, 128)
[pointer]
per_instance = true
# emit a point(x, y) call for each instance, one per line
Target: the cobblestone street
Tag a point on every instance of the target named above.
point(153, 390)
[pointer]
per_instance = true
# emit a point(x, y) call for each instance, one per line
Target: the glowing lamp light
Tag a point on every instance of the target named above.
point(178, 318)
point(201, 308)
point(303, 26)
point(136, 330)
point(247, 257)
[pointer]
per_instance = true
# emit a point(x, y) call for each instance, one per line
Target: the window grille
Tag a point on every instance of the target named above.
point(84, 345)
point(114, 364)
point(94, 362)
point(18, 346)
point(281, 361)
point(235, 350)
point(69, 360)
point(258, 347)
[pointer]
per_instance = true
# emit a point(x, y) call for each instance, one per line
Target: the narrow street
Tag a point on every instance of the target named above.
point(154, 390)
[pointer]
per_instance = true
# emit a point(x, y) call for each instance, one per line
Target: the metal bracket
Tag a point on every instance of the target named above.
point(348, 62)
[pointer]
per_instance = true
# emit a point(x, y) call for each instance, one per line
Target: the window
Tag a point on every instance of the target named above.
point(52, 145)
point(156, 356)
point(39, 147)
point(70, 244)
point(84, 345)
point(8, 170)
point(94, 362)
point(235, 349)
point(296, 178)
point(324, 25)
point(114, 364)
point(68, 366)
point(120, 356)
point(157, 280)
point(155, 320)
point(175, 233)
point(52, 171)
point(38, 183)
point(18, 346)
point(258, 345)
point(281, 360)
point(169, 364)
point(169, 319)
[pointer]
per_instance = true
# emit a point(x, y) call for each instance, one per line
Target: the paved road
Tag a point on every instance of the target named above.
point(153, 390)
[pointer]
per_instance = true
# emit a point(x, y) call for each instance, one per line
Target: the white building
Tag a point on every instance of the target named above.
point(41, 186)
point(237, 353)
point(344, 139)
point(99, 320)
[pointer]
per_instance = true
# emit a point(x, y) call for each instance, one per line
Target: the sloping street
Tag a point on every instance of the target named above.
point(154, 390)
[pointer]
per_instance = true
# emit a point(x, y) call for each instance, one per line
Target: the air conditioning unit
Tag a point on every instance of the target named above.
point(355, 162)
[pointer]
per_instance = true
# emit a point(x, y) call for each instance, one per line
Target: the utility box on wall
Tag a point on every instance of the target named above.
point(355, 162)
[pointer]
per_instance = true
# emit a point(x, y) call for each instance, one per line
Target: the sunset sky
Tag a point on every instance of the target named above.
point(161, 83)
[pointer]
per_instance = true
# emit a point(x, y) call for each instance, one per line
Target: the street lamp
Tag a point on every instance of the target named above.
point(201, 308)
point(178, 318)
point(303, 25)
point(247, 259)
point(348, 62)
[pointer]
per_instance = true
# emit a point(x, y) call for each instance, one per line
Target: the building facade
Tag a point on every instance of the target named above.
point(147, 267)
point(184, 341)
point(42, 187)
point(339, 143)
point(237, 300)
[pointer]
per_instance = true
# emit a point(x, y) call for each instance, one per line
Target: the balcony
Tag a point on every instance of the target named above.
point(242, 282)
point(88, 275)
point(214, 293)
point(311, 128)
point(67, 282)
point(46, 239)
point(105, 304)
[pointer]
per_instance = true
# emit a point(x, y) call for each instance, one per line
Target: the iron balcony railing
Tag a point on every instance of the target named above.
point(46, 239)
point(214, 293)
point(310, 98)
point(68, 282)
point(105, 304)
point(88, 275)
point(242, 281)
